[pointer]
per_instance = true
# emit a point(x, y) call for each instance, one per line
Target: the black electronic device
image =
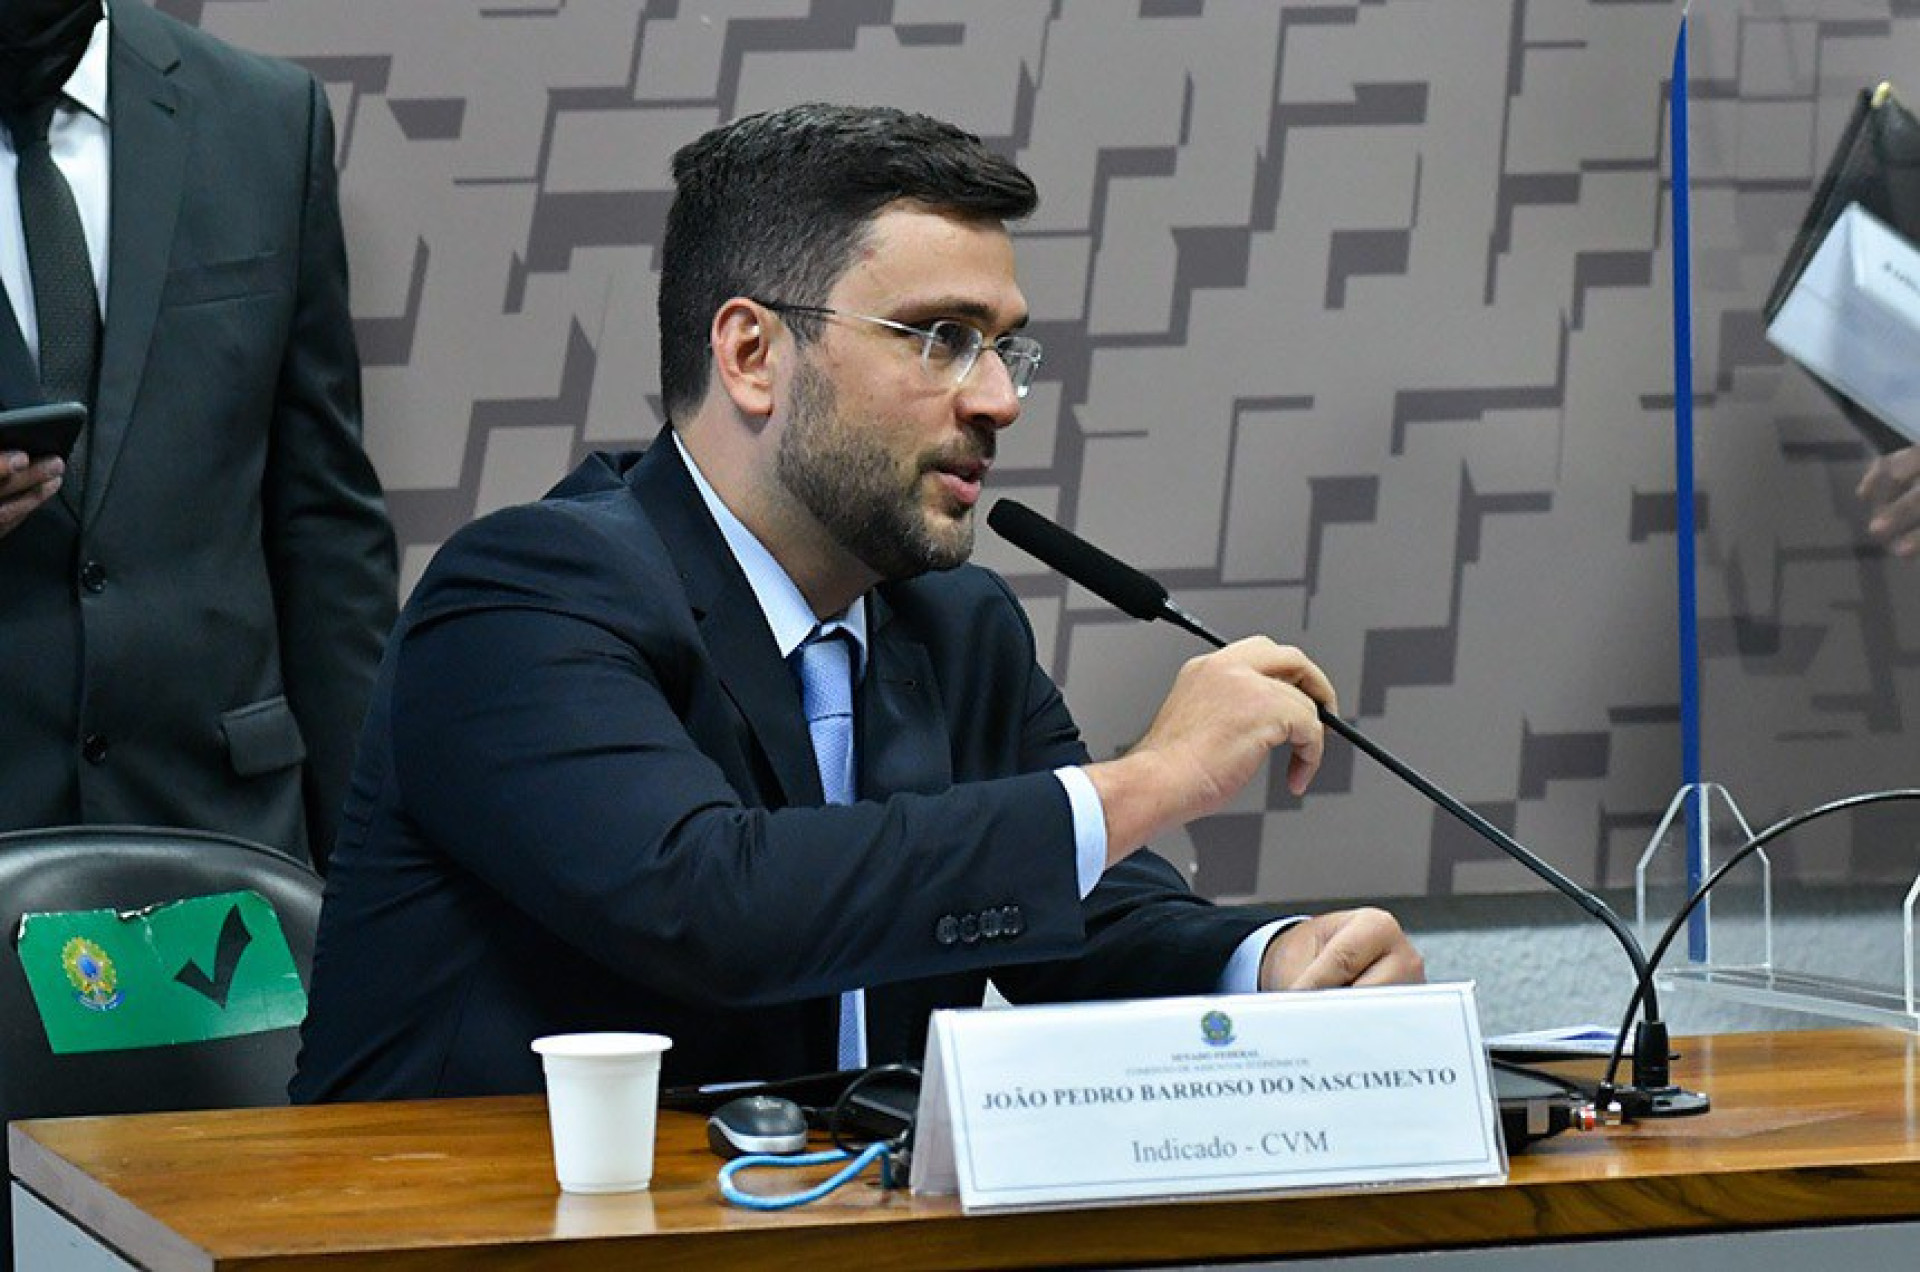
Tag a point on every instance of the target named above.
point(876, 1103)
point(42, 432)
point(1535, 1105)
point(757, 1124)
point(880, 1104)
point(871, 1104)
point(814, 1092)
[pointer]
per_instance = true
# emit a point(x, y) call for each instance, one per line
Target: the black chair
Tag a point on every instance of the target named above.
point(129, 868)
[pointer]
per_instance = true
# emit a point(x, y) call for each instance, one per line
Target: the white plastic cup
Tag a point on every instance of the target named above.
point(603, 1096)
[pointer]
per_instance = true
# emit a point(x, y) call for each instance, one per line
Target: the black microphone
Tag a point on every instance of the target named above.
point(1134, 594)
point(1140, 595)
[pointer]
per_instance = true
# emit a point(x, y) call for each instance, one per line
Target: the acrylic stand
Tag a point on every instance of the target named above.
point(1736, 958)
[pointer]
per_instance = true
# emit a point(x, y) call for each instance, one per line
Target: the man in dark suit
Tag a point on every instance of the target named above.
point(193, 609)
point(599, 789)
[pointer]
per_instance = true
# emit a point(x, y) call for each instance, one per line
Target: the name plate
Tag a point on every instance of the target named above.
point(1177, 1097)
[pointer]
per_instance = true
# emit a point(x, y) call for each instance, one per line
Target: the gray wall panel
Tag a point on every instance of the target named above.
point(1358, 333)
point(1810, 635)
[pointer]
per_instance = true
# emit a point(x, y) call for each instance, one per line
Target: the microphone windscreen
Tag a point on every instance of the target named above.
point(1115, 582)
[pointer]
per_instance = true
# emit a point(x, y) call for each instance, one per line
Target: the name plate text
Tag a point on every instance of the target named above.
point(1108, 1102)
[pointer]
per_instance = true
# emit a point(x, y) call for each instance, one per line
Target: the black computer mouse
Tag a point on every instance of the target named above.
point(757, 1124)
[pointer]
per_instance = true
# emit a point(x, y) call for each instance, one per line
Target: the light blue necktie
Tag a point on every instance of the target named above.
point(826, 693)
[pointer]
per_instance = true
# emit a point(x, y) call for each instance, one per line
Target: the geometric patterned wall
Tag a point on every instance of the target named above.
point(1357, 332)
point(1810, 633)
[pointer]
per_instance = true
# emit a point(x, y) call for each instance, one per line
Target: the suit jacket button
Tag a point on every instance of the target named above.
point(970, 929)
point(1012, 921)
point(947, 930)
point(94, 748)
point(93, 577)
point(991, 923)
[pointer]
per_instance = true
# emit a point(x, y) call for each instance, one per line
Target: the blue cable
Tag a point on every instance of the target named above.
point(872, 1152)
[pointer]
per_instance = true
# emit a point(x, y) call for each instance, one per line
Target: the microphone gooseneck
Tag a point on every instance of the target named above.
point(1142, 596)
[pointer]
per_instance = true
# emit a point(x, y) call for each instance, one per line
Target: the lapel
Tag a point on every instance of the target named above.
point(148, 115)
point(734, 628)
point(903, 730)
point(904, 746)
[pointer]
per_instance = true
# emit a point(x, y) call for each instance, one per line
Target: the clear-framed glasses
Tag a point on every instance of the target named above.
point(949, 348)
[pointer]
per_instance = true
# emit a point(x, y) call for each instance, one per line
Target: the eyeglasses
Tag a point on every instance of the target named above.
point(948, 348)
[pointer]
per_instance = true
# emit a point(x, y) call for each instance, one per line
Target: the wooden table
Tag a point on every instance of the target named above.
point(1807, 1128)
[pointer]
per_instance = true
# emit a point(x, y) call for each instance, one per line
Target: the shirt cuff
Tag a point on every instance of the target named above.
point(1242, 972)
point(1089, 827)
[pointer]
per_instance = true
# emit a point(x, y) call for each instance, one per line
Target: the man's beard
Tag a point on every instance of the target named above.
point(850, 483)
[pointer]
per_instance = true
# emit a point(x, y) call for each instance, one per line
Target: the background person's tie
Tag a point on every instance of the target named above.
point(65, 303)
point(826, 693)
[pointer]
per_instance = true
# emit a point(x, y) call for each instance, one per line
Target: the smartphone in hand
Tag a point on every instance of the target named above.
point(42, 431)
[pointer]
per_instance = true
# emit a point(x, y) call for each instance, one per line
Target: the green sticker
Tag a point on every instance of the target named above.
point(206, 967)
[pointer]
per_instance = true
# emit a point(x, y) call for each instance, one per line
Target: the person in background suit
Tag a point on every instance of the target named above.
point(193, 607)
point(606, 782)
point(1891, 489)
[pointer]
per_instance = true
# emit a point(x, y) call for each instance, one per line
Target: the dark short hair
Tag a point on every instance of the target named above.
point(778, 204)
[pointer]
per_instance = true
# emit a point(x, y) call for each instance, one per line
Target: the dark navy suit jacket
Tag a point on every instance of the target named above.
point(192, 632)
point(586, 799)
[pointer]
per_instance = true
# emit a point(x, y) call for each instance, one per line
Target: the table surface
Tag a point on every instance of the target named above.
point(1821, 1126)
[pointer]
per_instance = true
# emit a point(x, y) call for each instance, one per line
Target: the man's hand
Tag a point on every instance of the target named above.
point(1226, 711)
point(25, 485)
point(1891, 488)
point(1345, 947)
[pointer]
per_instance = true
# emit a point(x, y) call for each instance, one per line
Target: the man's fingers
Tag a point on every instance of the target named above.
point(1338, 963)
point(1398, 966)
point(1896, 516)
point(1219, 725)
point(1288, 663)
point(1309, 748)
point(1348, 947)
point(1350, 957)
point(1280, 704)
point(1301, 734)
point(1891, 485)
point(1875, 482)
point(16, 508)
point(20, 476)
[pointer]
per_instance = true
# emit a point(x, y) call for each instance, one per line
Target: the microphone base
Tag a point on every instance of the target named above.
point(1667, 1101)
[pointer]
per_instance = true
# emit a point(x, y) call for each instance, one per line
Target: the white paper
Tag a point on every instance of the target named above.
point(1095, 1102)
point(1853, 318)
point(1562, 1040)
